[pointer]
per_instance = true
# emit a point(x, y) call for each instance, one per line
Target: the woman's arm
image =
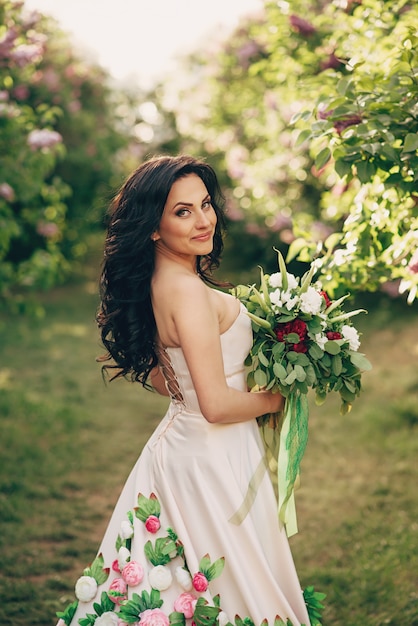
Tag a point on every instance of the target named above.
point(197, 327)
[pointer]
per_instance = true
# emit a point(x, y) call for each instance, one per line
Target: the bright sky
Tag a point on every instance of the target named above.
point(142, 38)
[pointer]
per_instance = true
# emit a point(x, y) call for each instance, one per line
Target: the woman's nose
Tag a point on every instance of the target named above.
point(202, 220)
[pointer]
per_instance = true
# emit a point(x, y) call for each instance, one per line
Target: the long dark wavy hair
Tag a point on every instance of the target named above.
point(125, 317)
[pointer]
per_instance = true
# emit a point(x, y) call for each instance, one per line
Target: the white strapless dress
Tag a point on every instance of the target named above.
point(200, 473)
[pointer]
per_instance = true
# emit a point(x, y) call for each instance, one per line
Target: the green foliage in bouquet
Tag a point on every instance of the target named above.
point(302, 340)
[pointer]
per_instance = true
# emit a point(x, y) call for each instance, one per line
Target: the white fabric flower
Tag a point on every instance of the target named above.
point(222, 618)
point(321, 340)
point(123, 557)
point(351, 335)
point(126, 530)
point(109, 618)
point(311, 301)
point(183, 578)
point(86, 588)
point(160, 577)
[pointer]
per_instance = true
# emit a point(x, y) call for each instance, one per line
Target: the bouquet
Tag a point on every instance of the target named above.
point(302, 340)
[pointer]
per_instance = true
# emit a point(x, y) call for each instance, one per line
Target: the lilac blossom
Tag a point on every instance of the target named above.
point(43, 138)
point(26, 53)
point(7, 192)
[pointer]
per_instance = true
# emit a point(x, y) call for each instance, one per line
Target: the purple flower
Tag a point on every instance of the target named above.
point(25, 54)
point(301, 26)
point(413, 263)
point(7, 192)
point(7, 42)
point(43, 138)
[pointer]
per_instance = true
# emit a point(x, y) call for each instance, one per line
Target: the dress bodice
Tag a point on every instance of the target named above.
point(235, 344)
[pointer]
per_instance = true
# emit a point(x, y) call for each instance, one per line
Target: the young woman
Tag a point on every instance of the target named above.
point(201, 480)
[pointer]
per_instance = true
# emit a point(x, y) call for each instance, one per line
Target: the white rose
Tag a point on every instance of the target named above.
point(275, 280)
point(123, 557)
point(107, 619)
point(222, 618)
point(160, 577)
point(126, 530)
point(311, 301)
point(351, 335)
point(85, 588)
point(183, 578)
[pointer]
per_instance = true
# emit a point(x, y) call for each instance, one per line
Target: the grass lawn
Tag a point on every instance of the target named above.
point(68, 442)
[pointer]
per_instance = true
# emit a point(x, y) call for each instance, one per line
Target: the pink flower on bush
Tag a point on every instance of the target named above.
point(200, 582)
point(115, 566)
point(301, 26)
point(185, 603)
point(152, 524)
point(7, 192)
point(118, 591)
point(413, 263)
point(133, 573)
point(43, 138)
point(154, 617)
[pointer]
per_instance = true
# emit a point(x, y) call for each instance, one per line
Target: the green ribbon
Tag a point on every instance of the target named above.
point(293, 440)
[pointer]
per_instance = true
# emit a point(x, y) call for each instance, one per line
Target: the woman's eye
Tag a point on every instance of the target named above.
point(182, 212)
point(207, 204)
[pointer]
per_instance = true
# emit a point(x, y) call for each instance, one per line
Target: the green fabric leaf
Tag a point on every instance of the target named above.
point(147, 506)
point(205, 615)
point(215, 569)
point(99, 573)
point(177, 619)
point(68, 614)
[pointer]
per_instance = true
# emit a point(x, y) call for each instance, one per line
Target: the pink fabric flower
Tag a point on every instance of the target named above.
point(154, 617)
point(115, 566)
point(185, 603)
point(152, 524)
point(133, 573)
point(200, 582)
point(118, 591)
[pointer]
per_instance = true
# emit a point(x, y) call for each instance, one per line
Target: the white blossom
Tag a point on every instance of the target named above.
point(160, 577)
point(351, 335)
point(109, 618)
point(321, 340)
point(275, 298)
point(311, 301)
point(275, 280)
point(126, 530)
point(85, 588)
point(183, 578)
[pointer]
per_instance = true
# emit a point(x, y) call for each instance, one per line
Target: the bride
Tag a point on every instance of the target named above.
point(195, 533)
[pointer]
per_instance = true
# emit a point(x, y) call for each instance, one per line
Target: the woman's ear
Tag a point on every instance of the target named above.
point(155, 236)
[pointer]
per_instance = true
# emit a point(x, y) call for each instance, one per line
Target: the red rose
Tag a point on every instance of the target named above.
point(326, 298)
point(300, 347)
point(333, 335)
point(295, 326)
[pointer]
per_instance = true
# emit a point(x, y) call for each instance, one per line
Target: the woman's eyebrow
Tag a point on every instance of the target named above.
point(190, 203)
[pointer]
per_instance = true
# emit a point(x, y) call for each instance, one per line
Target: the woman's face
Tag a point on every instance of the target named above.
point(188, 222)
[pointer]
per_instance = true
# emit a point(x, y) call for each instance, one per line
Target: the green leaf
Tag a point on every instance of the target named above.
point(342, 168)
point(359, 360)
point(278, 349)
point(336, 365)
point(260, 378)
point(365, 171)
point(410, 143)
point(303, 136)
point(292, 338)
point(322, 158)
point(283, 270)
point(332, 347)
point(300, 373)
point(262, 358)
point(315, 352)
point(295, 248)
point(279, 371)
point(290, 378)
